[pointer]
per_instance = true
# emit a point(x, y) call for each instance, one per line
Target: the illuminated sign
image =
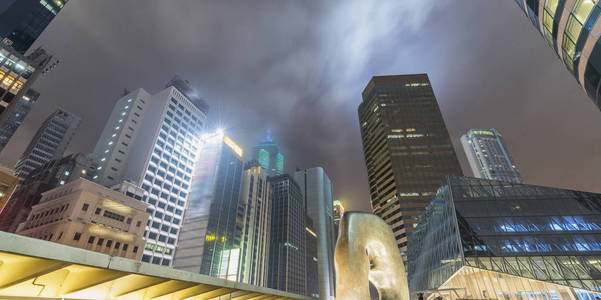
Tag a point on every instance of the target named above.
point(237, 149)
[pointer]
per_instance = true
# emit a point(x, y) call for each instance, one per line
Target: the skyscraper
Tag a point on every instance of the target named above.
point(488, 156)
point(154, 140)
point(50, 141)
point(210, 235)
point(311, 262)
point(287, 257)
point(407, 149)
point(52, 174)
point(255, 199)
point(22, 21)
point(267, 153)
point(569, 28)
point(17, 74)
point(316, 188)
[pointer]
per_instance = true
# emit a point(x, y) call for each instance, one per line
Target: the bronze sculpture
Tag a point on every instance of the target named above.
point(366, 251)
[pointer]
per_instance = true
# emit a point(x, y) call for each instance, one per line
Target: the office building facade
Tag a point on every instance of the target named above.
point(51, 175)
point(572, 29)
point(86, 215)
point(482, 239)
point(267, 153)
point(17, 74)
point(255, 200)
point(488, 156)
point(287, 261)
point(211, 232)
point(154, 140)
point(15, 118)
point(312, 243)
point(49, 143)
point(407, 149)
point(316, 188)
point(23, 21)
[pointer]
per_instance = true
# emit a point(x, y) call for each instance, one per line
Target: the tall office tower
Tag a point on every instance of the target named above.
point(53, 174)
point(209, 241)
point(267, 153)
point(488, 156)
point(311, 242)
point(17, 74)
point(316, 188)
point(87, 215)
point(153, 140)
point(287, 261)
point(22, 21)
point(569, 27)
point(15, 118)
point(407, 149)
point(338, 212)
point(50, 141)
point(255, 199)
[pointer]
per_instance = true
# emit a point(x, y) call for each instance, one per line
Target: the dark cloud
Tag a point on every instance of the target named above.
point(298, 69)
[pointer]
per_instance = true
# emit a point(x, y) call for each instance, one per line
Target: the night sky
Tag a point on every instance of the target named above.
point(298, 68)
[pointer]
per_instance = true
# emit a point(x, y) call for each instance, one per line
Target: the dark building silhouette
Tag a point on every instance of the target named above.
point(22, 21)
point(287, 258)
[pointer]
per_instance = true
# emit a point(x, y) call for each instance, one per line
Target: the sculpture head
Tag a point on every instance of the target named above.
point(366, 251)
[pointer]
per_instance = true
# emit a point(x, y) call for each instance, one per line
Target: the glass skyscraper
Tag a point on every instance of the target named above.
point(22, 21)
point(287, 253)
point(569, 28)
point(50, 141)
point(211, 233)
point(267, 153)
point(316, 188)
point(255, 200)
point(482, 239)
point(488, 157)
point(407, 149)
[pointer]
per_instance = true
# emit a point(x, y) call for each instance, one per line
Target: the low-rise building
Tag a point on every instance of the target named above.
point(484, 239)
point(87, 215)
point(51, 175)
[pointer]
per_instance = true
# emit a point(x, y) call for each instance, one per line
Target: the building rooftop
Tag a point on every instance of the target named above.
point(36, 268)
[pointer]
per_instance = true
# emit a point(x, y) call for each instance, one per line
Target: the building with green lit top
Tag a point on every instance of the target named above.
point(267, 153)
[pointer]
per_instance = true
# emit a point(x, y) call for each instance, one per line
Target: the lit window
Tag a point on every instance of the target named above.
point(8, 80)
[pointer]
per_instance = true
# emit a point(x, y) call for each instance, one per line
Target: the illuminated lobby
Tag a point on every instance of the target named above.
point(486, 239)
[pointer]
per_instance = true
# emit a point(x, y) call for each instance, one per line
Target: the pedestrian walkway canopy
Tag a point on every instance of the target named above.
point(32, 268)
